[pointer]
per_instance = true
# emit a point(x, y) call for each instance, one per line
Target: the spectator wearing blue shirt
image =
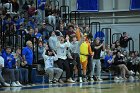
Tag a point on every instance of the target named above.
point(108, 60)
point(10, 67)
point(37, 34)
point(27, 54)
point(41, 8)
point(43, 31)
point(31, 23)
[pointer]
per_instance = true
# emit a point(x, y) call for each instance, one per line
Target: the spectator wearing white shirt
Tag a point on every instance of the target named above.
point(62, 57)
point(53, 72)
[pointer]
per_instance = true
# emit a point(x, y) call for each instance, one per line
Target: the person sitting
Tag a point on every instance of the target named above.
point(118, 61)
point(40, 52)
point(133, 63)
point(10, 67)
point(20, 66)
point(2, 81)
point(108, 61)
point(53, 72)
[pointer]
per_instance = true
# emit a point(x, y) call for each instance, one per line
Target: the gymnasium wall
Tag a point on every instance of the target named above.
point(133, 31)
point(115, 14)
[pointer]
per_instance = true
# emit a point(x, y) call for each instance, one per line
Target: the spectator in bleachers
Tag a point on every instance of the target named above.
point(41, 9)
point(53, 72)
point(97, 47)
point(40, 52)
point(133, 63)
point(62, 30)
point(32, 23)
point(75, 53)
point(27, 54)
point(108, 59)
point(62, 58)
point(7, 4)
point(117, 45)
point(25, 6)
point(10, 67)
point(138, 58)
point(118, 61)
point(2, 81)
point(71, 31)
point(53, 41)
point(113, 46)
point(31, 10)
point(20, 65)
point(7, 23)
point(46, 45)
point(72, 65)
point(15, 20)
point(125, 56)
point(29, 34)
point(124, 41)
point(49, 13)
point(88, 32)
point(43, 31)
point(85, 51)
point(37, 34)
point(15, 5)
point(89, 65)
point(108, 64)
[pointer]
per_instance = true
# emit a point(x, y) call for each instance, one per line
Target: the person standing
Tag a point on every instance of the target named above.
point(85, 51)
point(62, 57)
point(75, 52)
point(97, 47)
point(124, 41)
point(27, 54)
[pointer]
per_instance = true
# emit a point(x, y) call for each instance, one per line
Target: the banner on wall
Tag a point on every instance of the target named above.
point(135, 5)
point(87, 5)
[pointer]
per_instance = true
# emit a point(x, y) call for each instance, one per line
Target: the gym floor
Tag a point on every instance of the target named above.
point(88, 87)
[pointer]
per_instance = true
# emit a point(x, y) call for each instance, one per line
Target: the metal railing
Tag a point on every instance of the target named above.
point(139, 43)
point(83, 20)
point(76, 15)
point(15, 40)
point(108, 33)
point(56, 3)
point(116, 34)
point(131, 45)
point(64, 11)
point(97, 26)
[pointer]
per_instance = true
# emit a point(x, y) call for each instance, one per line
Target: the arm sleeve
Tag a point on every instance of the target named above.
point(67, 44)
point(89, 49)
point(55, 57)
point(44, 56)
point(24, 52)
point(50, 43)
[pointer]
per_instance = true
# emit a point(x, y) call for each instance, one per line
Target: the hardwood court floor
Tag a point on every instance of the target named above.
point(89, 87)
